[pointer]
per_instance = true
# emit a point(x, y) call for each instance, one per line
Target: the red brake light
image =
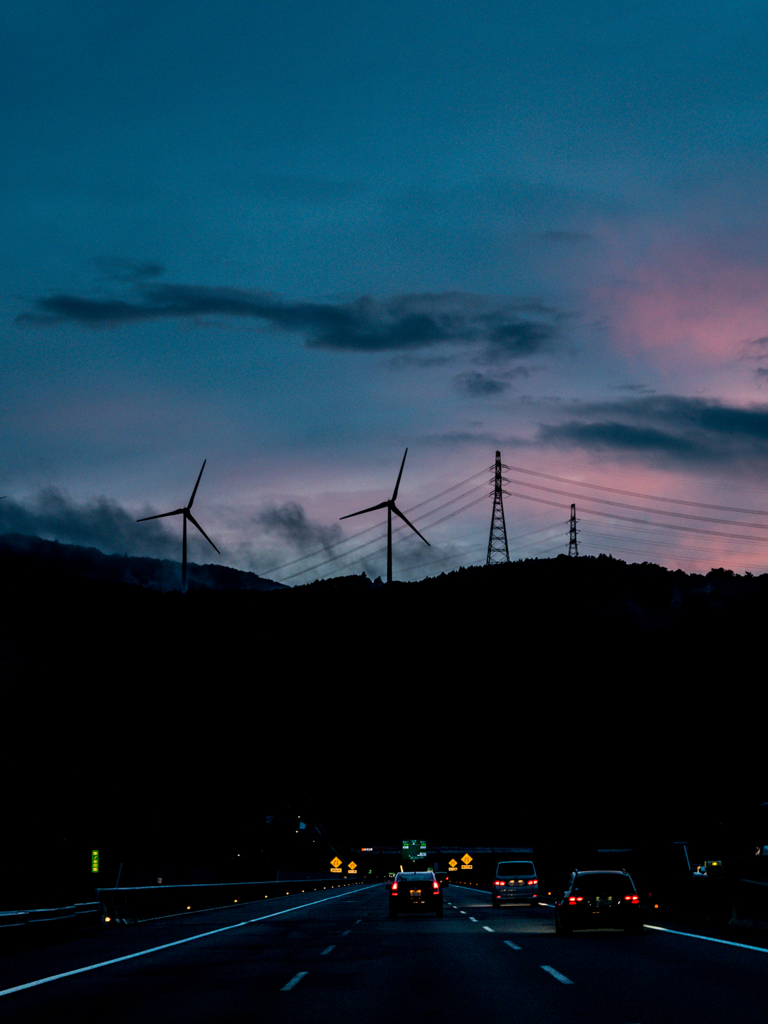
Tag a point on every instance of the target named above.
point(499, 882)
point(394, 887)
point(533, 881)
point(575, 899)
point(435, 887)
point(632, 899)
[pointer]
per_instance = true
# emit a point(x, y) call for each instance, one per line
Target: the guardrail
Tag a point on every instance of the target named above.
point(128, 906)
point(17, 925)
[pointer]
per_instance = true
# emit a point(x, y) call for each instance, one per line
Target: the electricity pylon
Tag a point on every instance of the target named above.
point(573, 544)
point(498, 551)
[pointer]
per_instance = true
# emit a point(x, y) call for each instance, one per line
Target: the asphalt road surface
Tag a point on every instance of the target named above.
point(336, 957)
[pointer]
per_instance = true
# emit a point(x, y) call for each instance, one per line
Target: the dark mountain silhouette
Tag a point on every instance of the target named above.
point(543, 700)
point(49, 557)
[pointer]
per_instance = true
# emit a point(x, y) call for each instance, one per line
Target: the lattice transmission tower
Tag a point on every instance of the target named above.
point(498, 551)
point(573, 544)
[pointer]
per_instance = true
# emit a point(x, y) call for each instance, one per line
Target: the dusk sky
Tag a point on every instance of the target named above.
point(294, 239)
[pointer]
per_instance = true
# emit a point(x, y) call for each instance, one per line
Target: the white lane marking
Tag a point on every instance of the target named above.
point(327, 950)
point(347, 932)
point(359, 920)
point(462, 911)
point(707, 938)
point(486, 928)
point(294, 981)
point(473, 919)
point(168, 945)
point(556, 974)
point(511, 944)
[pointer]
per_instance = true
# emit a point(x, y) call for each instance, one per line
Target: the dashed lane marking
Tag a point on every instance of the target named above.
point(486, 928)
point(556, 974)
point(511, 944)
point(473, 919)
point(327, 950)
point(294, 981)
point(169, 945)
point(347, 932)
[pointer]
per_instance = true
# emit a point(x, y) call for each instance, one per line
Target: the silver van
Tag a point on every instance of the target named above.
point(516, 881)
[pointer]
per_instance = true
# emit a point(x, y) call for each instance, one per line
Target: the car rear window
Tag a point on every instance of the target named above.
point(418, 876)
point(516, 867)
point(604, 885)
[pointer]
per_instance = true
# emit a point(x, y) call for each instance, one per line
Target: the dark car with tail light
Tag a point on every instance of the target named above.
point(599, 899)
point(516, 881)
point(415, 892)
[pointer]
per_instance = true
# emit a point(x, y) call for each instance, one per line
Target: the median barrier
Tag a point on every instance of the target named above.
point(130, 905)
point(19, 926)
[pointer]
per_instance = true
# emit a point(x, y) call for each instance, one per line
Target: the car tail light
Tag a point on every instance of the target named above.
point(632, 899)
point(393, 890)
point(575, 899)
point(435, 887)
point(533, 881)
point(499, 882)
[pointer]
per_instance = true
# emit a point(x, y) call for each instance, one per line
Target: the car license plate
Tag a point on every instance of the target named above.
point(603, 901)
point(415, 892)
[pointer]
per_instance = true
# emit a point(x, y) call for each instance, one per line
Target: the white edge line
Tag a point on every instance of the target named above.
point(556, 974)
point(294, 981)
point(168, 945)
point(708, 938)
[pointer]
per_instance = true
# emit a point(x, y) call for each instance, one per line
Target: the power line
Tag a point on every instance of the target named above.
point(369, 529)
point(636, 494)
point(642, 508)
point(642, 522)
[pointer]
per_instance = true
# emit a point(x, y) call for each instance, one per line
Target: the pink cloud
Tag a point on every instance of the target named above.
point(682, 299)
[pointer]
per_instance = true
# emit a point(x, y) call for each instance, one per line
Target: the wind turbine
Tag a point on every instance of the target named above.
point(186, 515)
point(391, 507)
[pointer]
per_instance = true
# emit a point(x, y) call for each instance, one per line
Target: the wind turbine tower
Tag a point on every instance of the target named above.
point(390, 507)
point(185, 514)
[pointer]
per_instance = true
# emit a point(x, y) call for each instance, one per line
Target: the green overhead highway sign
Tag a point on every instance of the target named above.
point(414, 849)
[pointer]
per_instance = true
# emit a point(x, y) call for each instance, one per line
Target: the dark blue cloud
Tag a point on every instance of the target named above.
point(478, 385)
point(503, 329)
point(666, 428)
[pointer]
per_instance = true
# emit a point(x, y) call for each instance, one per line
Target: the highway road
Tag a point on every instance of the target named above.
point(336, 957)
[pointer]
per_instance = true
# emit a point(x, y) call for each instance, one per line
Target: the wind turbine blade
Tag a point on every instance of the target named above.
point(162, 515)
point(192, 519)
point(373, 508)
point(397, 511)
point(397, 485)
point(198, 481)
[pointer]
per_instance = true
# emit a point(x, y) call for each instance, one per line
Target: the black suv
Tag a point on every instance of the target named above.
point(415, 891)
point(599, 899)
